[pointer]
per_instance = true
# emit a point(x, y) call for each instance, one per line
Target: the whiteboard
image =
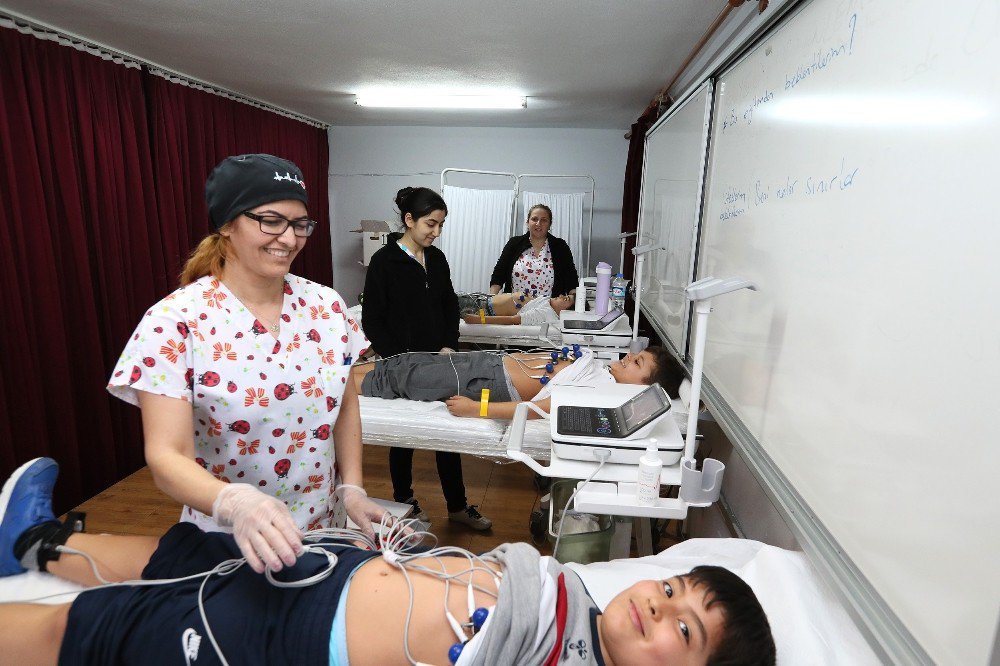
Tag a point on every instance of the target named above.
point(670, 204)
point(851, 176)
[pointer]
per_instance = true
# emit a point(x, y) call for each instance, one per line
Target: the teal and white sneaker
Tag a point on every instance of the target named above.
point(26, 501)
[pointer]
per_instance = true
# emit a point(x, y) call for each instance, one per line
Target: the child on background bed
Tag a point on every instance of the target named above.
point(458, 378)
point(539, 612)
point(513, 309)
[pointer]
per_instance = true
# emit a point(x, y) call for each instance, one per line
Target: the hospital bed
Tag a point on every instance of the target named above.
point(512, 335)
point(516, 335)
point(429, 425)
point(808, 624)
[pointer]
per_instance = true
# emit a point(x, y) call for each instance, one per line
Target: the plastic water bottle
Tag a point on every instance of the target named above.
point(618, 292)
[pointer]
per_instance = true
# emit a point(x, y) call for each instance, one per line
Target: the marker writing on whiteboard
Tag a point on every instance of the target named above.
point(823, 58)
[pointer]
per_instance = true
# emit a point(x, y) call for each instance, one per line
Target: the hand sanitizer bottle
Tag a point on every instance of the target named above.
point(648, 490)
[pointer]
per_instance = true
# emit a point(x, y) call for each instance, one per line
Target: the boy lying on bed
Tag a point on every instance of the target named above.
point(458, 378)
point(510, 309)
point(358, 614)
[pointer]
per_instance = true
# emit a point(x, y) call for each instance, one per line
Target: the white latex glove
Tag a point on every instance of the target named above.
point(262, 525)
point(446, 350)
point(362, 510)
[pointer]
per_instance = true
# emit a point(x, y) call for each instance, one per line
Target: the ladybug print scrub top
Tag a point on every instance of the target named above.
point(263, 406)
point(533, 274)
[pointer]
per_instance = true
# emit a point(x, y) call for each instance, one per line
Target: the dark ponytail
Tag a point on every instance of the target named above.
point(418, 202)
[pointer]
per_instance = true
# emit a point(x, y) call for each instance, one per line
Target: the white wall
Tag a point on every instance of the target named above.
point(368, 165)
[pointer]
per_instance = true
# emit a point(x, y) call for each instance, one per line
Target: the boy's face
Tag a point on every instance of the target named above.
point(633, 368)
point(660, 622)
point(560, 303)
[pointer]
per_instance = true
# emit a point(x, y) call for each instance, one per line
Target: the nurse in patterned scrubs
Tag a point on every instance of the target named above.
point(241, 375)
point(536, 264)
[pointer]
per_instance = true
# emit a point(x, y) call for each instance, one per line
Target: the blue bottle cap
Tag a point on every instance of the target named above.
point(479, 618)
point(454, 652)
point(518, 306)
point(565, 350)
point(549, 367)
point(544, 380)
point(555, 356)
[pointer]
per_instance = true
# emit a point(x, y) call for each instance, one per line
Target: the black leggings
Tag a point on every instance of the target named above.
point(433, 376)
point(449, 466)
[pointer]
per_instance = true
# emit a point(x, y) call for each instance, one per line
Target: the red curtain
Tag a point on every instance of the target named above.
point(631, 199)
point(76, 190)
point(192, 131)
point(102, 190)
point(632, 194)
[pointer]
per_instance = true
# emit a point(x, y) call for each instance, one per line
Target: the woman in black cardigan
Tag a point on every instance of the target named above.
point(410, 306)
point(536, 262)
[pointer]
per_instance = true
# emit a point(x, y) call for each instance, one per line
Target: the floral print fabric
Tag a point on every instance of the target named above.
point(533, 274)
point(264, 407)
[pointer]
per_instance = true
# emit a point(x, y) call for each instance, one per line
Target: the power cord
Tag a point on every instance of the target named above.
point(600, 454)
point(397, 540)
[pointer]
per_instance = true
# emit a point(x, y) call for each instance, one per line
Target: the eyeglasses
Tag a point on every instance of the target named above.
point(275, 225)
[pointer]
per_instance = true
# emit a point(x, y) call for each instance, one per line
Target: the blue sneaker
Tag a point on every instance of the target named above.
point(26, 501)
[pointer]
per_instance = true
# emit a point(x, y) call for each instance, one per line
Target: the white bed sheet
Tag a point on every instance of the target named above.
point(516, 334)
point(429, 425)
point(495, 334)
point(31, 585)
point(808, 623)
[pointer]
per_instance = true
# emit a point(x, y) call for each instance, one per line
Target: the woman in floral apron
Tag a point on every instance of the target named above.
point(241, 375)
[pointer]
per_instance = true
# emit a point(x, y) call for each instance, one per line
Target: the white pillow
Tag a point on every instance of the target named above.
point(808, 623)
point(32, 585)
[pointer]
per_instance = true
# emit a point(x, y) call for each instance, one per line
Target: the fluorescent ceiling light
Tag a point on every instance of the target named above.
point(411, 100)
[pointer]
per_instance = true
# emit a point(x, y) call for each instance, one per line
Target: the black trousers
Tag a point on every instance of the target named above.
point(433, 376)
point(449, 466)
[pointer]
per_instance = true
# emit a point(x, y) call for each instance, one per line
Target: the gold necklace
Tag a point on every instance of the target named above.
point(274, 327)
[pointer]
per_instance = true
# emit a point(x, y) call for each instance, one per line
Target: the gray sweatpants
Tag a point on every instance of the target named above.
point(432, 376)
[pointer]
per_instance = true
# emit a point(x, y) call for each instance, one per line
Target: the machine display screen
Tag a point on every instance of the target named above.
point(594, 324)
point(639, 410)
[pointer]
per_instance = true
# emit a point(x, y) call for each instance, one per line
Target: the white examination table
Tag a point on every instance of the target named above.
point(516, 335)
point(809, 625)
point(429, 425)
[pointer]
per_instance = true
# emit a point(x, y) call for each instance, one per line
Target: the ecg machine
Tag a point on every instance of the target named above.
point(587, 328)
point(619, 422)
point(592, 324)
point(620, 418)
